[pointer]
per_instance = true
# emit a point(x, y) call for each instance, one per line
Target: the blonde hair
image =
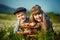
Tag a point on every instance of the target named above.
point(44, 25)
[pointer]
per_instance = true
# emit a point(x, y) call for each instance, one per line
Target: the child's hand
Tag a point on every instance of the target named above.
point(18, 32)
point(22, 25)
point(32, 24)
point(27, 31)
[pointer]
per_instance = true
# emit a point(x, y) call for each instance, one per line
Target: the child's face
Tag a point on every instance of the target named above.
point(21, 16)
point(37, 17)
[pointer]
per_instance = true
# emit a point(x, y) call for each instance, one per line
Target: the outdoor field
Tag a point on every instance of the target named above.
point(8, 20)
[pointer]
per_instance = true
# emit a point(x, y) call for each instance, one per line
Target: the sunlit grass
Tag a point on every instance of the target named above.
point(7, 22)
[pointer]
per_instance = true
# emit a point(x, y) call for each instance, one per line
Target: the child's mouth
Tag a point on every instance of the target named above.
point(23, 18)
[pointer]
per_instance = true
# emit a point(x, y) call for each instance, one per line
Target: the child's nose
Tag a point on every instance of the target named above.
point(37, 16)
point(40, 15)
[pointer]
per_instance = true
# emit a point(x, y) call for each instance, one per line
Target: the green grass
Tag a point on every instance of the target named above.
point(7, 22)
point(54, 17)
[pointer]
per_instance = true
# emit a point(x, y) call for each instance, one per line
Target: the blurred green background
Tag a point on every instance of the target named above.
point(7, 21)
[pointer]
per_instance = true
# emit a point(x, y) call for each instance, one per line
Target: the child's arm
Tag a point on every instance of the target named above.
point(19, 31)
point(23, 32)
point(16, 28)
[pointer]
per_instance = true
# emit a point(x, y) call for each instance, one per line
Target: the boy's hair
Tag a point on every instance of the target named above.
point(20, 9)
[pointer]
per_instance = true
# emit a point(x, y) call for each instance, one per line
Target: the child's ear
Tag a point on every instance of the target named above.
point(15, 14)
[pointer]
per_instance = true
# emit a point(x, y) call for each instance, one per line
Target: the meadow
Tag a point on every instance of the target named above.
point(8, 20)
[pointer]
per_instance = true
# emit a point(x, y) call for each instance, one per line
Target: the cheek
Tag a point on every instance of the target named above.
point(23, 16)
point(35, 17)
point(18, 17)
point(40, 15)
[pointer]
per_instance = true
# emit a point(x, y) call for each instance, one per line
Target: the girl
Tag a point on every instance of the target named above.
point(40, 20)
point(37, 16)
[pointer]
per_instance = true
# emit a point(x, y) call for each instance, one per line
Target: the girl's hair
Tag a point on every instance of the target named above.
point(33, 11)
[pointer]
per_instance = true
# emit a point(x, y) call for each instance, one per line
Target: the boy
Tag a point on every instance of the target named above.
point(21, 16)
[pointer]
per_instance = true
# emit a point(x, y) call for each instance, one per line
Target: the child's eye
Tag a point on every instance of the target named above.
point(18, 16)
point(35, 14)
point(22, 15)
